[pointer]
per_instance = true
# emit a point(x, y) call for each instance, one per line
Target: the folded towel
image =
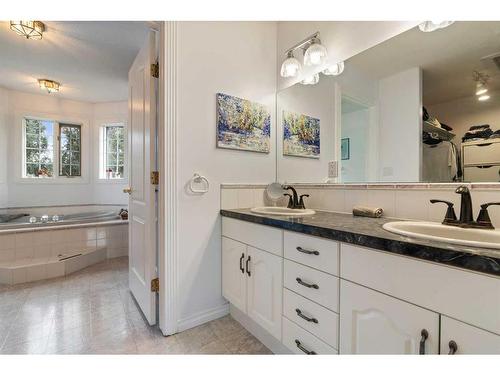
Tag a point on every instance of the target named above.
point(367, 211)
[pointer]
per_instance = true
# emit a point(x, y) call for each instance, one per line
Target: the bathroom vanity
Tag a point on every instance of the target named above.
point(333, 283)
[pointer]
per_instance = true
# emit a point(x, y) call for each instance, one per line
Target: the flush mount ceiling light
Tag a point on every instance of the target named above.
point(334, 70)
point(28, 29)
point(481, 80)
point(49, 85)
point(312, 80)
point(291, 66)
point(314, 54)
point(429, 26)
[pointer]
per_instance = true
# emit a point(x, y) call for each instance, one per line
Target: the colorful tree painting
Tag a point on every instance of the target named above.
point(242, 124)
point(301, 135)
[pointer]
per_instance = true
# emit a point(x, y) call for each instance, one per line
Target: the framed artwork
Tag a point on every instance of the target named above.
point(242, 124)
point(345, 152)
point(301, 135)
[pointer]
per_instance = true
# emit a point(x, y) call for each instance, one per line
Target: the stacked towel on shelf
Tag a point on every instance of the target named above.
point(478, 132)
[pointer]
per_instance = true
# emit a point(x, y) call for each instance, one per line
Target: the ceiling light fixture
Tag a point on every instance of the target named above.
point(28, 29)
point(334, 70)
point(49, 85)
point(314, 54)
point(481, 80)
point(482, 98)
point(291, 66)
point(429, 26)
point(311, 80)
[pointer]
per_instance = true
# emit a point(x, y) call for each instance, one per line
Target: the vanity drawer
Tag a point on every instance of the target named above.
point(318, 286)
point(484, 153)
point(256, 235)
point(312, 251)
point(314, 318)
point(466, 296)
point(295, 338)
point(482, 174)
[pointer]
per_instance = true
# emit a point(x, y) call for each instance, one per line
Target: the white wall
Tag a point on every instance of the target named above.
point(343, 39)
point(85, 190)
point(400, 101)
point(3, 147)
point(317, 101)
point(236, 58)
point(356, 127)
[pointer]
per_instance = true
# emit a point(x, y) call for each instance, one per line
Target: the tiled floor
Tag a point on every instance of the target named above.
point(92, 312)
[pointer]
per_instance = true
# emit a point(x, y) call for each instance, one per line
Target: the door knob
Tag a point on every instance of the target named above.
point(128, 190)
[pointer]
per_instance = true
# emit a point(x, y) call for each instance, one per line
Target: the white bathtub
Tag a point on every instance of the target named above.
point(30, 252)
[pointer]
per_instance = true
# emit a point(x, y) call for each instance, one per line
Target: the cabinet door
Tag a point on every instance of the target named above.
point(233, 277)
point(466, 339)
point(374, 323)
point(264, 287)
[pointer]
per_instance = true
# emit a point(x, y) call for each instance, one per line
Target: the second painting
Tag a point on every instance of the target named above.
point(301, 135)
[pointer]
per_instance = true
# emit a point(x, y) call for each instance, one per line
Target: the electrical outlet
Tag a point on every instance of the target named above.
point(333, 169)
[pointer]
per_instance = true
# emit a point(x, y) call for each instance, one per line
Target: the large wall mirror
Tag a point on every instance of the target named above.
point(420, 107)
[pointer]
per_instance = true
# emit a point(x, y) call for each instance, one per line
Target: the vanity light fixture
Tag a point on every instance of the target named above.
point(49, 85)
point(334, 70)
point(28, 29)
point(311, 80)
point(429, 26)
point(291, 66)
point(314, 54)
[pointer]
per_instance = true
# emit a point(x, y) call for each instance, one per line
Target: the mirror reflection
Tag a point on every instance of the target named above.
point(420, 107)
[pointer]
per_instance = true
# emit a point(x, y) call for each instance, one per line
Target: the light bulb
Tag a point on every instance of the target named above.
point(334, 70)
point(482, 98)
point(481, 89)
point(290, 67)
point(315, 54)
point(311, 80)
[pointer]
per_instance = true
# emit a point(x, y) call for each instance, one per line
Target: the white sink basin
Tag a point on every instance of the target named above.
point(445, 233)
point(282, 211)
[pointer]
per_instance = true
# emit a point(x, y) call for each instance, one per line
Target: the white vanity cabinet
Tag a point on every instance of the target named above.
point(461, 338)
point(374, 323)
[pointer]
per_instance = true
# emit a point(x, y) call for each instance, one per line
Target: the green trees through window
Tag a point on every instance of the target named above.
point(114, 151)
point(39, 148)
point(70, 140)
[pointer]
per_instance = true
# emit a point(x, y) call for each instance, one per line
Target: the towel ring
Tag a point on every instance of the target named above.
point(198, 179)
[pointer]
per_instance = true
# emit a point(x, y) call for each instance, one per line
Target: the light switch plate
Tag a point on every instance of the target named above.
point(333, 169)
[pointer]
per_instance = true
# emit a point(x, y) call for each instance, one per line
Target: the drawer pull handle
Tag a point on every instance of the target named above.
point(453, 347)
point(424, 335)
point(299, 345)
point(299, 313)
point(308, 252)
point(241, 265)
point(484, 144)
point(314, 286)
point(246, 265)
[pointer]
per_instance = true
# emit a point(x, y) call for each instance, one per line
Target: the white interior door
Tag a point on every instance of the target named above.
point(142, 216)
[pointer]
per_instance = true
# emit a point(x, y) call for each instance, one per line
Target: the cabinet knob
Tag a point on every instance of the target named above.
point(453, 347)
point(424, 335)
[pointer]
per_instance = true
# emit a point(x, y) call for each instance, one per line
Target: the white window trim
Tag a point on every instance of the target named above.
point(99, 124)
point(20, 157)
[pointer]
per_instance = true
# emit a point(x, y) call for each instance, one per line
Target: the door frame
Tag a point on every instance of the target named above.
point(167, 165)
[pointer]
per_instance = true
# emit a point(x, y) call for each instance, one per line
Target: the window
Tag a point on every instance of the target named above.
point(70, 141)
point(43, 153)
point(39, 148)
point(112, 151)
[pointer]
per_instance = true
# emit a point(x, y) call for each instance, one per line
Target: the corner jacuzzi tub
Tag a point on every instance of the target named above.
point(78, 236)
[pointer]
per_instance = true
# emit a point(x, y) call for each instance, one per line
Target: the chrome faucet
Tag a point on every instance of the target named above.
point(466, 212)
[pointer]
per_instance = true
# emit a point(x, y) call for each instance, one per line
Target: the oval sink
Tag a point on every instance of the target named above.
point(282, 211)
point(445, 233)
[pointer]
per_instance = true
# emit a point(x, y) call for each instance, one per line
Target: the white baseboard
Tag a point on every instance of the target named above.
point(203, 317)
point(260, 333)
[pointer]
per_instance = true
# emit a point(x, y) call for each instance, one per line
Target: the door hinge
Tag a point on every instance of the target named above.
point(155, 70)
point(155, 178)
point(155, 285)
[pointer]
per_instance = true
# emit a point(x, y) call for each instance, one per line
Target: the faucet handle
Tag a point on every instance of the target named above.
point(450, 216)
point(290, 200)
point(301, 201)
point(483, 219)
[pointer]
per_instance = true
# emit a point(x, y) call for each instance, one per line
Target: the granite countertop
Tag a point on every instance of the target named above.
point(368, 232)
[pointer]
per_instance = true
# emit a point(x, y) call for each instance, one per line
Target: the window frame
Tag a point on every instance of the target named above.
point(102, 157)
point(19, 140)
point(59, 149)
point(25, 147)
